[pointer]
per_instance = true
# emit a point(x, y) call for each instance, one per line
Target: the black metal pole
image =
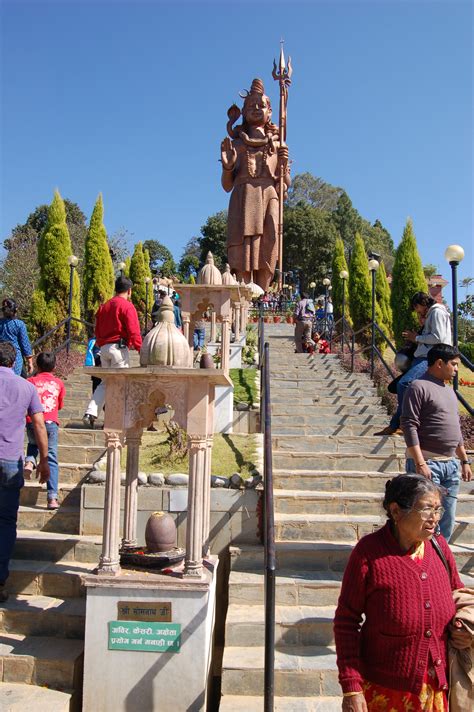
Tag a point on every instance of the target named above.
point(270, 552)
point(69, 311)
point(454, 276)
point(343, 314)
point(372, 350)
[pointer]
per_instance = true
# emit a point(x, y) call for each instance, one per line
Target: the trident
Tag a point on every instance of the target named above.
point(283, 76)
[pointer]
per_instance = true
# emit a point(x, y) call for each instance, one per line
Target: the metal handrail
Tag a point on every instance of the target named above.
point(68, 340)
point(375, 351)
point(269, 541)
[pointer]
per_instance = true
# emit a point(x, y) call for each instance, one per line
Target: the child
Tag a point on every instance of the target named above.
point(321, 345)
point(51, 393)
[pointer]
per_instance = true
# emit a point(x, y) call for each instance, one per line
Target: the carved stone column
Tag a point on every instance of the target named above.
point(197, 449)
point(186, 322)
point(237, 321)
point(225, 343)
point(206, 500)
point(131, 490)
point(109, 562)
point(213, 327)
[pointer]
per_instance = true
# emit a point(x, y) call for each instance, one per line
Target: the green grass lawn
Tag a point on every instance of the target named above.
point(230, 454)
point(245, 388)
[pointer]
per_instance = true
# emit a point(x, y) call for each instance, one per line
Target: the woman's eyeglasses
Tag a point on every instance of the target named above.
point(428, 512)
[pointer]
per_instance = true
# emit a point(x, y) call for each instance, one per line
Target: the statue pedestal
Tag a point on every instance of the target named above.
point(160, 677)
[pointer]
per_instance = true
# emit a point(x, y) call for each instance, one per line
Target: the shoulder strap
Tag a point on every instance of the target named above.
point(441, 555)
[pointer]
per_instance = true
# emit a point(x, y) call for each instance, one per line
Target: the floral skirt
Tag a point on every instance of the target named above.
point(382, 699)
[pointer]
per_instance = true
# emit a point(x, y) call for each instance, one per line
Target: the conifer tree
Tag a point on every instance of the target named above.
point(338, 264)
point(407, 278)
point(148, 275)
point(382, 291)
point(360, 291)
point(126, 269)
point(137, 275)
point(49, 304)
point(98, 275)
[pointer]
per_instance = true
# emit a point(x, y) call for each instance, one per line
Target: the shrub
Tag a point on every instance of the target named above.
point(467, 349)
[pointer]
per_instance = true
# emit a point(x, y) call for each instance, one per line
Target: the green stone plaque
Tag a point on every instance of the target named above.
point(145, 637)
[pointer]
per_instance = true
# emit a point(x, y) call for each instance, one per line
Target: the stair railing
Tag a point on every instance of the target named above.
point(375, 352)
point(269, 538)
point(66, 344)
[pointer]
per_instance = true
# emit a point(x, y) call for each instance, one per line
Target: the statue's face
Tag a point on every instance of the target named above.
point(257, 110)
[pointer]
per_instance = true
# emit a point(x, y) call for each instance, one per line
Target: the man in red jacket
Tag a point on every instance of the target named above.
point(117, 329)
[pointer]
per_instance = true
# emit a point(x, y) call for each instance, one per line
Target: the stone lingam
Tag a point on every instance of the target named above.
point(160, 550)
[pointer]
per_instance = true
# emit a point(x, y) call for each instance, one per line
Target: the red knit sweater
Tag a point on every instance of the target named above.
point(407, 607)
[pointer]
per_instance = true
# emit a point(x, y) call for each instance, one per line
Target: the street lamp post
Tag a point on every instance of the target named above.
point(454, 255)
point(326, 282)
point(147, 286)
point(72, 261)
point(313, 287)
point(121, 267)
point(373, 267)
point(344, 275)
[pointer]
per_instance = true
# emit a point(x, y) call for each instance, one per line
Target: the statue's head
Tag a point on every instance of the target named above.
point(257, 109)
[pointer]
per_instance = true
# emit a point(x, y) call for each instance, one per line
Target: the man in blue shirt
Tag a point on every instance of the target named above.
point(18, 398)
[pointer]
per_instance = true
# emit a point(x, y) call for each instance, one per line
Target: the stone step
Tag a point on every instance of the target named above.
point(65, 519)
point(321, 556)
point(320, 411)
point(319, 443)
point(80, 454)
point(296, 588)
point(331, 482)
point(36, 660)
point(34, 494)
point(347, 503)
point(305, 671)
point(327, 461)
point(44, 615)
point(82, 436)
point(294, 625)
point(322, 427)
point(18, 697)
point(246, 703)
point(370, 420)
point(51, 547)
point(320, 398)
point(44, 578)
point(73, 473)
point(349, 528)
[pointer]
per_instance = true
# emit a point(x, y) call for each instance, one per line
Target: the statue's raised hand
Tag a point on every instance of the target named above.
point(283, 155)
point(228, 154)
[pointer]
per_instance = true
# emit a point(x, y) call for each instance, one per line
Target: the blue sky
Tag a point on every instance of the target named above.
point(130, 99)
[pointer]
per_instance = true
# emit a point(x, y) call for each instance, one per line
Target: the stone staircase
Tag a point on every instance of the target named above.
point(329, 476)
point(42, 624)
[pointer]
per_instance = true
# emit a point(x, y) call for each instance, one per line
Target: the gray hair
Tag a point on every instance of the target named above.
point(406, 490)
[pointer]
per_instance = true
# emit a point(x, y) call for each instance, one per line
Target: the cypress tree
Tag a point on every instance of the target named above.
point(49, 304)
point(137, 275)
point(382, 291)
point(126, 269)
point(148, 274)
point(98, 275)
point(407, 278)
point(360, 291)
point(338, 264)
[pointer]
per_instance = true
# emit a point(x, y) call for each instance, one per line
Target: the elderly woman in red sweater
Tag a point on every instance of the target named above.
point(396, 608)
